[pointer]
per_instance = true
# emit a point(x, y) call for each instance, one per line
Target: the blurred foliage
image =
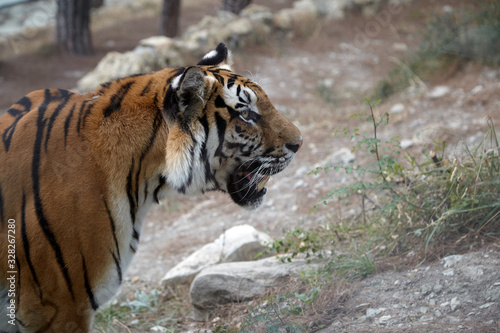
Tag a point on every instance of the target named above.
point(471, 33)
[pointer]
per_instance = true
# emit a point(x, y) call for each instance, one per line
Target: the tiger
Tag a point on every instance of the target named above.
point(79, 172)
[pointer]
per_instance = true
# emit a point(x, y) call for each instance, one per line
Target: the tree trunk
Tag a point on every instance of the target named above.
point(170, 17)
point(73, 26)
point(235, 6)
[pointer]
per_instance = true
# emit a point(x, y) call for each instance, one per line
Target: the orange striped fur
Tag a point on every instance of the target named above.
point(78, 174)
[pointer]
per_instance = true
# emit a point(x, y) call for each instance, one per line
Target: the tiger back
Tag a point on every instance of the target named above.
point(79, 172)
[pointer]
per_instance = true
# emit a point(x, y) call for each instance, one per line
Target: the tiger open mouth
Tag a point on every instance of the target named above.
point(247, 188)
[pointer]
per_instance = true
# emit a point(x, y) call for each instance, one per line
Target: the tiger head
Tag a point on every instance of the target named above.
point(224, 133)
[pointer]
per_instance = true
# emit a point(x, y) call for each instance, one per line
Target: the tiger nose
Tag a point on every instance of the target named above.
point(294, 146)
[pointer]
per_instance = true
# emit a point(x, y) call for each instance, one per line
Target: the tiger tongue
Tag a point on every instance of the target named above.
point(262, 182)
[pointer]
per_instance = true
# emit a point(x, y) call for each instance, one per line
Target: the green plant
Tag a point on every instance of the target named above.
point(309, 243)
point(141, 310)
point(387, 165)
point(351, 268)
point(418, 203)
point(142, 301)
point(277, 312)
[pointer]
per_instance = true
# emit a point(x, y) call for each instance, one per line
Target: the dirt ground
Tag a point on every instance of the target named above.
point(457, 294)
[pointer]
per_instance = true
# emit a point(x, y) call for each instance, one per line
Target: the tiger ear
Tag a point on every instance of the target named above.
point(220, 57)
point(186, 96)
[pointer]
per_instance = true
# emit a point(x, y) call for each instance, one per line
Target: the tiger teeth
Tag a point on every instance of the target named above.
point(262, 182)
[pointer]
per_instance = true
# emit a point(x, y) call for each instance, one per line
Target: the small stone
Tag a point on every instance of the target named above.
point(448, 272)
point(384, 319)
point(426, 289)
point(406, 143)
point(454, 303)
point(400, 47)
point(476, 89)
point(451, 261)
point(496, 284)
point(437, 288)
point(397, 108)
point(300, 183)
point(487, 305)
point(448, 9)
point(371, 312)
point(362, 305)
point(362, 319)
point(158, 329)
point(438, 92)
point(426, 318)
point(423, 309)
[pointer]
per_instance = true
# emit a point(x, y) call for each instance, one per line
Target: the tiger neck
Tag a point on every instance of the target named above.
point(130, 145)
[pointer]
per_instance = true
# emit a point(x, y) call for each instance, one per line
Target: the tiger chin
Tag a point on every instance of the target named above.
point(79, 172)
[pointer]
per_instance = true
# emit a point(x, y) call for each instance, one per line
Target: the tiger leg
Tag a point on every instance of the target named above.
point(45, 316)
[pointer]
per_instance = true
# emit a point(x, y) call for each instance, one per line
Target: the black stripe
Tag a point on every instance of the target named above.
point(147, 88)
point(26, 103)
point(247, 96)
point(135, 235)
point(65, 96)
point(88, 289)
point(116, 99)
point(221, 104)
point(146, 185)
point(118, 268)
point(230, 81)
point(221, 131)
point(162, 181)
point(113, 228)
point(35, 175)
point(9, 131)
point(26, 246)
point(149, 144)
point(209, 175)
point(134, 250)
point(81, 112)
point(128, 189)
point(268, 151)
point(171, 104)
point(87, 112)
point(67, 122)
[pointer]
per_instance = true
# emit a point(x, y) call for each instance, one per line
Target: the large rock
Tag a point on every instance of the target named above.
point(151, 54)
point(302, 19)
point(239, 281)
point(240, 243)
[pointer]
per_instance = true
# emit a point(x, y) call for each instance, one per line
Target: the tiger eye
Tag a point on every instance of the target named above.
point(245, 114)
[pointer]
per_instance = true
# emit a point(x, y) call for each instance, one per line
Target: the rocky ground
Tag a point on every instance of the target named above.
point(317, 82)
point(460, 293)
